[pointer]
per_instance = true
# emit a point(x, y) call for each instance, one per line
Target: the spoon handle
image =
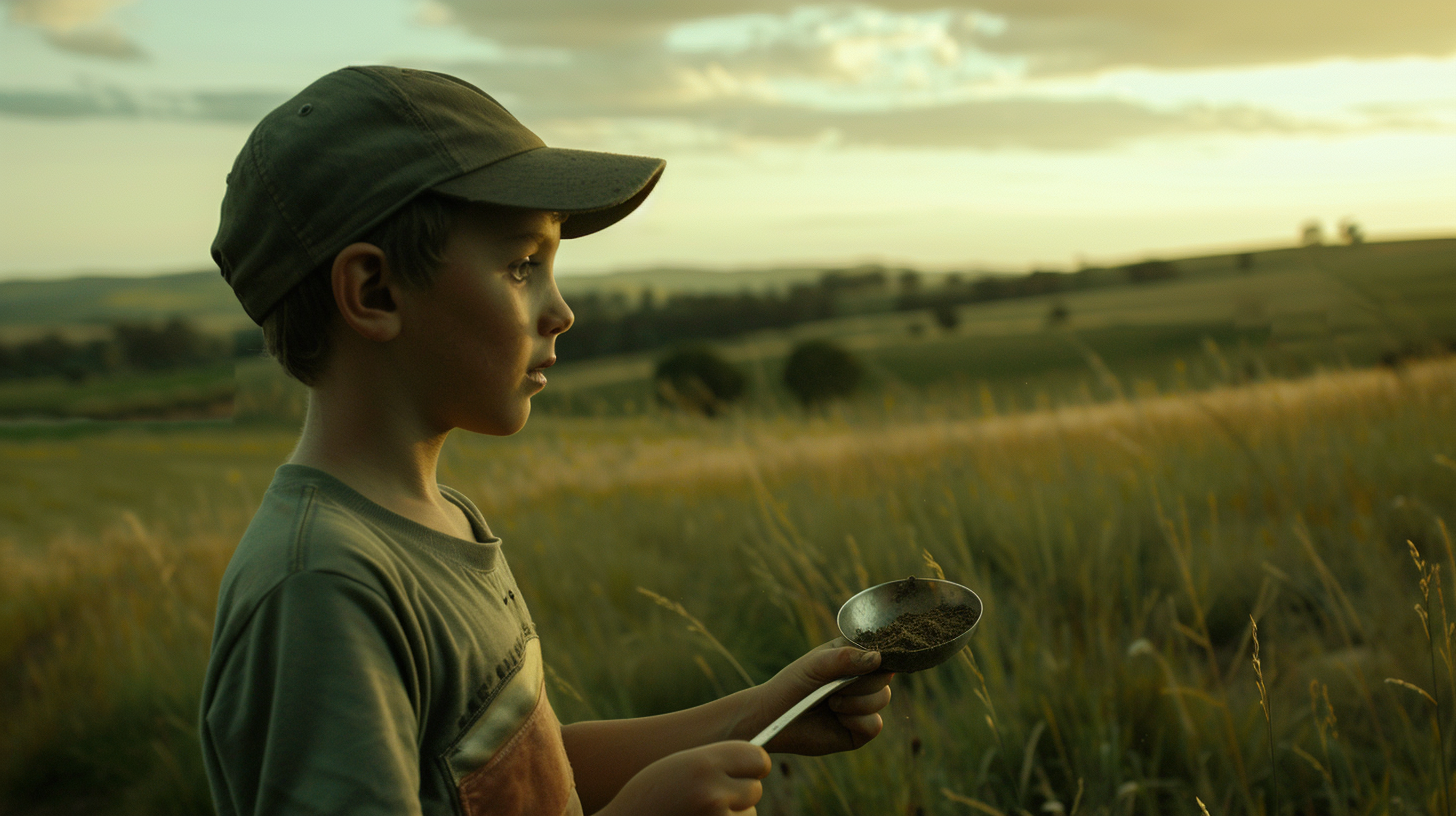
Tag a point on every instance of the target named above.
point(803, 705)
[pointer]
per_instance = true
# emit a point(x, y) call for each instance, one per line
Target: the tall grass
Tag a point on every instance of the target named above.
point(1122, 551)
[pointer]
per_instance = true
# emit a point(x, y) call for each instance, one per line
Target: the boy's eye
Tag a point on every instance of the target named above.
point(522, 270)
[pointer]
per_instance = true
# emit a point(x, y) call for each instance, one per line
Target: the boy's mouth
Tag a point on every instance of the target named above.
point(537, 373)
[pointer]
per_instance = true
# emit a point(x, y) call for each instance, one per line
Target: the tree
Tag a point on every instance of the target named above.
point(175, 344)
point(1351, 233)
point(1312, 233)
point(818, 371)
point(946, 316)
point(909, 282)
point(909, 297)
point(696, 379)
point(1149, 271)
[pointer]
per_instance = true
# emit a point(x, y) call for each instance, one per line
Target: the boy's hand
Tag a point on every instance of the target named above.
point(848, 719)
point(710, 780)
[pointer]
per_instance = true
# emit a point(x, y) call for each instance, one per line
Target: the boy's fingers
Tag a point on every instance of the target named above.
point(860, 703)
point(744, 794)
point(866, 725)
point(744, 760)
point(868, 684)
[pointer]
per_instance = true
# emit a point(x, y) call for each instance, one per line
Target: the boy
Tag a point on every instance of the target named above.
point(393, 231)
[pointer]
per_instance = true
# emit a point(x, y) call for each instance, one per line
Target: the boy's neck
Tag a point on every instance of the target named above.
point(384, 453)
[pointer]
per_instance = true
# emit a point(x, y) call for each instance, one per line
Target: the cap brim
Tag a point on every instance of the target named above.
point(595, 189)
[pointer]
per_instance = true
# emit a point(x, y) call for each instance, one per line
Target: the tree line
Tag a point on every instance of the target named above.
point(129, 347)
point(616, 323)
point(606, 323)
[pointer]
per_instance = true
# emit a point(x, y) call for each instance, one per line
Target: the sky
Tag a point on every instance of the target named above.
point(999, 134)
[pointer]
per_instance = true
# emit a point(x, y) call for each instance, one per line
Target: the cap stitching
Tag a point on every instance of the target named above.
point(260, 167)
point(414, 115)
point(439, 141)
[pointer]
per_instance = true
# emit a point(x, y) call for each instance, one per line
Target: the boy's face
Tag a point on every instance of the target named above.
point(478, 338)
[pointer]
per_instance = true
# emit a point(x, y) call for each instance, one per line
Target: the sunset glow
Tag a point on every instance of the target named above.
point(994, 135)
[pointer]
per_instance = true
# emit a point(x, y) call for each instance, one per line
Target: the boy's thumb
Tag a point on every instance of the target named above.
point(845, 661)
point(862, 660)
point(826, 664)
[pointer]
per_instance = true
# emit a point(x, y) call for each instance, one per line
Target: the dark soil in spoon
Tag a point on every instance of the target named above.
point(918, 630)
point(905, 589)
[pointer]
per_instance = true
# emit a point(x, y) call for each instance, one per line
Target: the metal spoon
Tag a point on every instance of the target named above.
point(873, 609)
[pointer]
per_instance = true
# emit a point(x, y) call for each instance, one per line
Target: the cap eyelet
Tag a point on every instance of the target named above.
point(305, 110)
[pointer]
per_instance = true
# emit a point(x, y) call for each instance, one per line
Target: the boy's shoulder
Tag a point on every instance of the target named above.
point(309, 521)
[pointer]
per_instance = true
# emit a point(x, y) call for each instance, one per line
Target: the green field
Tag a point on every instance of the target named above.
point(1124, 488)
point(1120, 547)
point(1296, 311)
point(190, 393)
point(1285, 313)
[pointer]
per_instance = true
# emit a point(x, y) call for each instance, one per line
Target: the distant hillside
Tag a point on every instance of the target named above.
point(695, 281)
point(29, 307)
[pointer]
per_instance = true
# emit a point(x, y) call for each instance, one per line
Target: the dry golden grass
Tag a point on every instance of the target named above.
point(1120, 549)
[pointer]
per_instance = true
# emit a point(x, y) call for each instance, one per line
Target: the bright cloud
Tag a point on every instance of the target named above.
point(78, 26)
point(841, 57)
point(62, 16)
point(1057, 36)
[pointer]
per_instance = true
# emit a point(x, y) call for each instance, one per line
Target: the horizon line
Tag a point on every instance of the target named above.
point(1085, 262)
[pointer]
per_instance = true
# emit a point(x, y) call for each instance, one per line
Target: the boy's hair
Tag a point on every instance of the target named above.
point(297, 330)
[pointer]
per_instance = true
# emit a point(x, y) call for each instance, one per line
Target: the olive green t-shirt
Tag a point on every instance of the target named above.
point(363, 663)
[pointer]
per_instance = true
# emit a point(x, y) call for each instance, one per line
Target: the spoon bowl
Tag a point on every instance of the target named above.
point(878, 606)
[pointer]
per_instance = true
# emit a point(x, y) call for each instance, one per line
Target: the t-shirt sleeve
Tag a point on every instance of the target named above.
point(313, 711)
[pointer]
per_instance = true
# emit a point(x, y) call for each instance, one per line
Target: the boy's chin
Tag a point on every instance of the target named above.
point(501, 425)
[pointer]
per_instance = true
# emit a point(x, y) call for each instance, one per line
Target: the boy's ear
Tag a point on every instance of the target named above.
point(363, 289)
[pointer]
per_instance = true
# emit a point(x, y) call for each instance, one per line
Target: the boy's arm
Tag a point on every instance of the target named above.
point(307, 711)
point(605, 754)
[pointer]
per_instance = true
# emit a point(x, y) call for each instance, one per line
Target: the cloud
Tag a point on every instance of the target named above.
point(587, 107)
point(649, 73)
point(999, 73)
point(62, 15)
point(627, 124)
point(1034, 124)
point(105, 101)
point(1072, 35)
point(78, 26)
point(105, 41)
point(856, 57)
point(590, 23)
point(1055, 36)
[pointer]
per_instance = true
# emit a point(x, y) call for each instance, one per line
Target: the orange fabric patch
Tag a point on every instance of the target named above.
point(528, 775)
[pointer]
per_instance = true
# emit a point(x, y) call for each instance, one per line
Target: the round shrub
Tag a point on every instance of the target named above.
point(946, 316)
point(818, 371)
point(697, 379)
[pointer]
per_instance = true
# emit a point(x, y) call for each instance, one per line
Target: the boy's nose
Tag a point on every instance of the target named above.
point(557, 317)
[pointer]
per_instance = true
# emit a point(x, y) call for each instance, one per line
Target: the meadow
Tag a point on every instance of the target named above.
point(1221, 319)
point(1293, 313)
point(1123, 544)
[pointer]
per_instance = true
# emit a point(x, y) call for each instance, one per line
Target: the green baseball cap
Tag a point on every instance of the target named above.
point(332, 162)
